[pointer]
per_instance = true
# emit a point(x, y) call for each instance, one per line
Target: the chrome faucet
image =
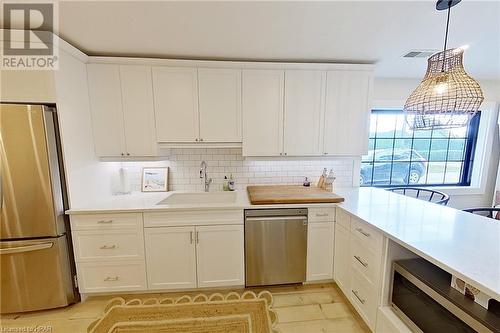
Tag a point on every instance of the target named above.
point(203, 174)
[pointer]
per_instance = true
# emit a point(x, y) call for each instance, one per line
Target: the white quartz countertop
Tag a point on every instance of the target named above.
point(143, 202)
point(461, 243)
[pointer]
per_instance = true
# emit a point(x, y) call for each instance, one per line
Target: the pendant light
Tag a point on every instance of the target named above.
point(447, 97)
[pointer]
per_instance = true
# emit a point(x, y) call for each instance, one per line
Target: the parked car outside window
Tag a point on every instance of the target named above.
point(403, 166)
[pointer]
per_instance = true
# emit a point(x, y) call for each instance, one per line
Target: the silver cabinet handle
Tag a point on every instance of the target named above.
point(361, 231)
point(191, 237)
point(321, 215)
point(358, 258)
point(27, 248)
point(106, 247)
point(111, 278)
point(197, 237)
point(105, 221)
point(358, 297)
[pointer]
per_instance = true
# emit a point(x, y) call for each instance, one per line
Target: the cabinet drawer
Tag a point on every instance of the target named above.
point(321, 214)
point(108, 245)
point(185, 218)
point(365, 261)
point(363, 297)
point(343, 218)
point(368, 235)
point(111, 276)
point(106, 221)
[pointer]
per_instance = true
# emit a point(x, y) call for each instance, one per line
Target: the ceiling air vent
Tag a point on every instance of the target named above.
point(419, 53)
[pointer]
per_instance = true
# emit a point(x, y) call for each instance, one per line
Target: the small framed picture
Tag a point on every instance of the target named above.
point(155, 179)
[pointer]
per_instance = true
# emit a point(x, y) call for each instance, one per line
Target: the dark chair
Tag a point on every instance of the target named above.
point(492, 213)
point(434, 196)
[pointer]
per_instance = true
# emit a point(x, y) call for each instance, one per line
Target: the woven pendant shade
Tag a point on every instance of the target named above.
point(447, 97)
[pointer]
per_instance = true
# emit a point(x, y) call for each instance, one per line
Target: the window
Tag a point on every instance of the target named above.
point(398, 156)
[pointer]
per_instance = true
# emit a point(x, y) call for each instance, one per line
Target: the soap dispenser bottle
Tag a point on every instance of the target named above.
point(231, 185)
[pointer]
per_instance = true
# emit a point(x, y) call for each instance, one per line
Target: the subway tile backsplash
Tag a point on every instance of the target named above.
point(185, 166)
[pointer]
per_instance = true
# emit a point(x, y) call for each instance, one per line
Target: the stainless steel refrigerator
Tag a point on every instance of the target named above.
point(37, 270)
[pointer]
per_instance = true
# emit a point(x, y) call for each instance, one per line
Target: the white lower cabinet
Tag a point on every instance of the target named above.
point(388, 322)
point(170, 257)
point(109, 252)
point(342, 263)
point(98, 277)
point(320, 238)
point(220, 255)
point(357, 265)
point(190, 257)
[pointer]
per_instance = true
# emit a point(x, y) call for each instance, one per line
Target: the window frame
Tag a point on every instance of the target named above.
point(483, 155)
point(466, 162)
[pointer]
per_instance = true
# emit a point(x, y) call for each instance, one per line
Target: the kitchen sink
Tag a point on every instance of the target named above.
point(199, 198)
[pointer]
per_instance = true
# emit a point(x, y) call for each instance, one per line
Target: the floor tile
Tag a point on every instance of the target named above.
point(47, 325)
point(336, 310)
point(305, 309)
point(285, 300)
point(299, 313)
point(316, 326)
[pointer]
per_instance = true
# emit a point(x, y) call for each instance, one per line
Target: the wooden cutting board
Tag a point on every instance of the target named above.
point(290, 194)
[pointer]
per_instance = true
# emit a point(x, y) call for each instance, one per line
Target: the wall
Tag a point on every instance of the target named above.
point(393, 92)
point(87, 178)
point(185, 166)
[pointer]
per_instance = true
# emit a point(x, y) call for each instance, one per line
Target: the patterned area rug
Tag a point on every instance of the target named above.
point(217, 313)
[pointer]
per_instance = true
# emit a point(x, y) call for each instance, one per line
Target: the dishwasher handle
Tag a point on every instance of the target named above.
point(276, 218)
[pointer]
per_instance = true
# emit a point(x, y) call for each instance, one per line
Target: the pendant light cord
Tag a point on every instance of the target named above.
point(447, 25)
point(446, 34)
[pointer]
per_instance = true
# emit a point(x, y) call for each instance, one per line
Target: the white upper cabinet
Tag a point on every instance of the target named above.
point(347, 116)
point(281, 110)
point(219, 104)
point(262, 106)
point(106, 108)
point(304, 110)
point(122, 110)
point(176, 104)
point(138, 110)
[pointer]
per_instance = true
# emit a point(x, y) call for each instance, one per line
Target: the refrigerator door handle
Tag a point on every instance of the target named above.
point(27, 248)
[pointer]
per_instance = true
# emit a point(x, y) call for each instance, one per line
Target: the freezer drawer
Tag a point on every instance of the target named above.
point(275, 249)
point(35, 275)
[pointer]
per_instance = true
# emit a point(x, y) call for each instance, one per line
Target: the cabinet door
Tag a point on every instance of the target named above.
point(220, 255)
point(342, 263)
point(176, 104)
point(347, 115)
point(304, 109)
point(170, 257)
point(320, 251)
point(106, 109)
point(262, 105)
point(138, 110)
point(220, 104)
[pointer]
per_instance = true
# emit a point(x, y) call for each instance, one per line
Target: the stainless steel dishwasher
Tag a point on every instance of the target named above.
point(275, 246)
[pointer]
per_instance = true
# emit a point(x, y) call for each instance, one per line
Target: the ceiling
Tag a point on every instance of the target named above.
point(342, 31)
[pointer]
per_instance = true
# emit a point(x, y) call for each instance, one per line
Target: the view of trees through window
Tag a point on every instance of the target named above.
point(399, 156)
